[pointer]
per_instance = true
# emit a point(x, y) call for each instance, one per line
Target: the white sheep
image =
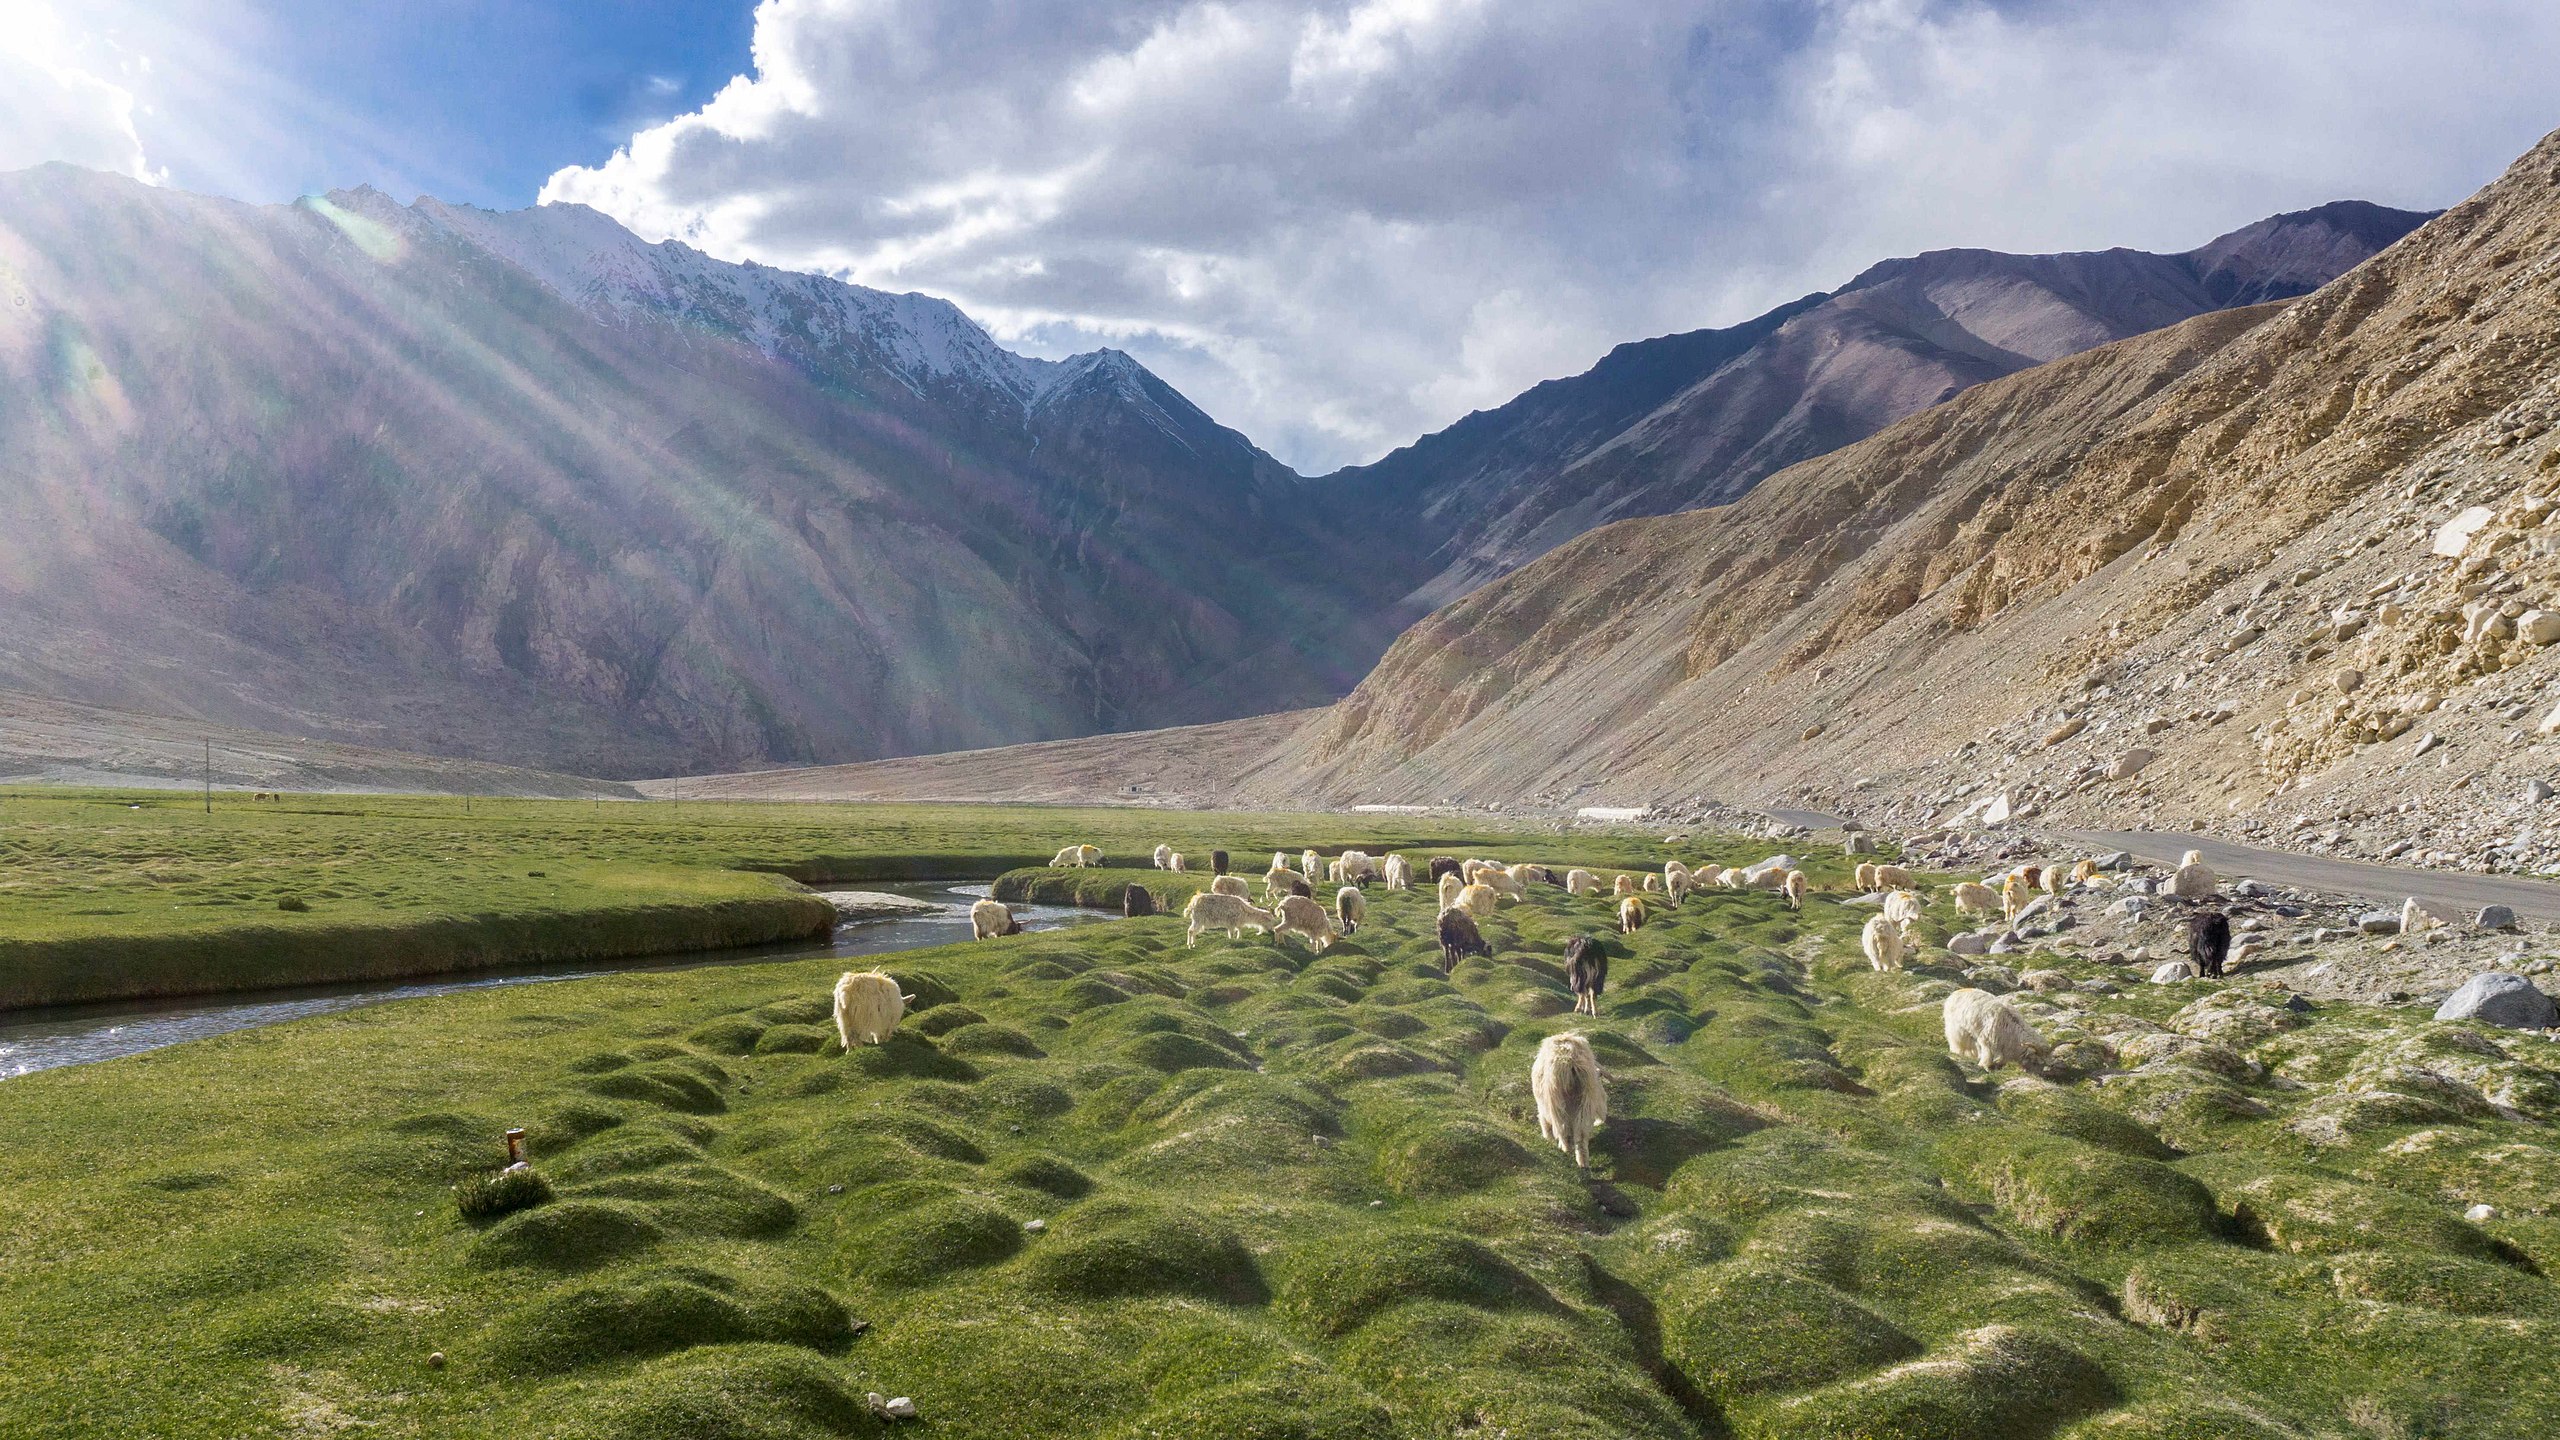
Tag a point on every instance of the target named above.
point(2013, 894)
point(868, 1006)
point(1210, 910)
point(1866, 876)
point(1335, 872)
point(1350, 907)
point(1450, 886)
point(1902, 907)
point(1310, 863)
point(1503, 883)
point(1229, 885)
point(1279, 859)
point(1175, 862)
point(1652, 884)
point(1302, 916)
point(1399, 872)
point(1163, 853)
point(1731, 878)
point(1479, 900)
point(1796, 886)
point(989, 919)
point(1622, 885)
point(1894, 877)
point(2192, 857)
point(1882, 940)
point(1572, 1098)
point(1630, 915)
point(1676, 881)
point(1975, 899)
point(1986, 1029)
point(1357, 866)
point(1076, 857)
point(1282, 882)
point(1581, 882)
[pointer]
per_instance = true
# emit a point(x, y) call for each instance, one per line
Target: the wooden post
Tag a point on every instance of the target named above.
point(515, 1147)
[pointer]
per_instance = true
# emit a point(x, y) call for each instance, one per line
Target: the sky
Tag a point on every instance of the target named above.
point(1335, 224)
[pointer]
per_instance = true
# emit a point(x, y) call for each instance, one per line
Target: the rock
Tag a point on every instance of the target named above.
point(1968, 943)
point(2065, 730)
point(901, 1408)
point(2193, 882)
point(2426, 742)
point(435, 1358)
point(2494, 917)
point(2040, 905)
point(2131, 762)
point(2116, 860)
point(2501, 999)
point(2045, 981)
point(1997, 812)
point(2539, 627)
point(1780, 864)
point(2378, 922)
point(1859, 845)
point(2481, 1214)
point(2174, 971)
point(2348, 681)
point(2454, 536)
point(1998, 979)
point(2550, 722)
point(1034, 1227)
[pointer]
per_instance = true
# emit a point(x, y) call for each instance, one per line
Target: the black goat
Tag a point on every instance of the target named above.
point(1586, 969)
point(2209, 941)
point(1459, 938)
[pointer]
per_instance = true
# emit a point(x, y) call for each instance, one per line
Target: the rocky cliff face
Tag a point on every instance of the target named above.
point(1695, 420)
point(2218, 544)
point(519, 486)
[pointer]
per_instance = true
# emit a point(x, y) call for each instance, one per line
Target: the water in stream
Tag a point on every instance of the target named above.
point(77, 1034)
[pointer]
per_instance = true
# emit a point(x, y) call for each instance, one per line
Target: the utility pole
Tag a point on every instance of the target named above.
point(208, 775)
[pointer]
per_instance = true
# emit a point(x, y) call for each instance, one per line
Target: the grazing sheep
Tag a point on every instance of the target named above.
point(867, 1008)
point(1500, 881)
point(1894, 877)
point(1471, 867)
point(1975, 899)
point(1335, 872)
point(1522, 875)
point(1652, 884)
point(1445, 865)
point(1350, 906)
point(2084, 872)
point(1986, 1029)
point(1176, 863)
point(1211, 911)
point(2053, 880)
point(1301, 915)
point(2209, 941)
point(1075, 857)
point(1586, 969)
point(2013, 894)
point(1572, 1100)
point(1357, 866)
point(2194, 881)
point(1479, 899)
point(1450, 886)
point(2031, 876)
point(1902, 907)
point(1796, 885)
point(989, 919)
point(1730, 878)
point(1279, 859)
point(1630, 915)
point(1228, 885)
point(1882, 940)
point(1581, 882)
point(1773, 878)
point(1622, 885)
point(1399, 873)
point(1284, 882)
point(1217, 862)
point(1163, 853)
point(1136, 900)
point(1866, 876)
point(1459, 938)
point(1312, 862)
point(1677, 881)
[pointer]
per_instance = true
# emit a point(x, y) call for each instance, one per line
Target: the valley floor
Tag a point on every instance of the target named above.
point(1105, 1183)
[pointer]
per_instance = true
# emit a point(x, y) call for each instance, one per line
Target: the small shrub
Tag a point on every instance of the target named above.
point(294, 903)
point(500, 1192)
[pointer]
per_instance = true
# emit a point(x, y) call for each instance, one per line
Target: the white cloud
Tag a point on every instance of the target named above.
point(1338, 223)
point(54, 102)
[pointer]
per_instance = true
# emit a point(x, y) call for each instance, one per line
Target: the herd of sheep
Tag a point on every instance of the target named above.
point(1565, 1079)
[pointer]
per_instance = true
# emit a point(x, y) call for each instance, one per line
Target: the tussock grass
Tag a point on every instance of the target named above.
point(1103, 1184)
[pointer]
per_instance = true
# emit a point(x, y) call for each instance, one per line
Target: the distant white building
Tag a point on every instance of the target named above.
point(1612, 813)
point(1390, 809)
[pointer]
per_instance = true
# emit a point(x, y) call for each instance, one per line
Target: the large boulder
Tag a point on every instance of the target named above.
point(2131, 763)
point(2495, 917)
point(2454, 536)
point(2501, 999)
point(2193, 882)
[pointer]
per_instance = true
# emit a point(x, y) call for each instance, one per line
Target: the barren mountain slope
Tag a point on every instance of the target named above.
point(2159, 536)
point(520, 486)
point(1698, 419)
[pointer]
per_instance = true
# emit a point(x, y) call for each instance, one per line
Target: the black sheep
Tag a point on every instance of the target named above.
point(2209, 941)
point(1217, 862)
point(1136, 900)
point(1443, 865)
point(1586, 969)
point(1459, 938)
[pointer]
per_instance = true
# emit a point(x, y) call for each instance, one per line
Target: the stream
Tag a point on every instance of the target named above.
point(42, 1039)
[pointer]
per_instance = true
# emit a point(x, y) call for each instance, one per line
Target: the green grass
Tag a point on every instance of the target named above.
point(120, 894)
point(1287, 1195)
